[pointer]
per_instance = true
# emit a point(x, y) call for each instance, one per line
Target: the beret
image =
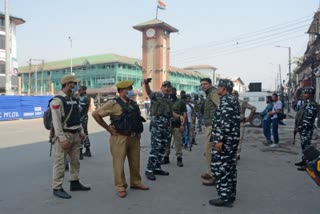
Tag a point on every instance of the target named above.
point(124, 84)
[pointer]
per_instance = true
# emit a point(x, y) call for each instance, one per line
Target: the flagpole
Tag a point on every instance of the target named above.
point(157, 12)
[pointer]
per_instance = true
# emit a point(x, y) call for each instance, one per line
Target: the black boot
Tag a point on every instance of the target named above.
point(81, 155)
point(150, 176)
point(179, 162)
point(87, 153)
point(220, 203)
point(302, 168)
point(165, 160)
point(77, 186)
point(60, 193)
point(301, 163)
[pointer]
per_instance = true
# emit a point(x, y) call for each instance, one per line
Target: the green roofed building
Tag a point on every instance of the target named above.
point(99, 73)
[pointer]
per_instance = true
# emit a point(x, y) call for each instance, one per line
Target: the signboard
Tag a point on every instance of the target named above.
point(106, 81)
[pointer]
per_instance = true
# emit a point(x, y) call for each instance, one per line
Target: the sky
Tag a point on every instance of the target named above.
point(236, 37)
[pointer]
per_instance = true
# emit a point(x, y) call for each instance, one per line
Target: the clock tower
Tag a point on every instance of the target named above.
point(155, 51)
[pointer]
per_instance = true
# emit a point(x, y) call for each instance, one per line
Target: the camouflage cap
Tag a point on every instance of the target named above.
point(83, 87)
point(69, 78)
point(226, 83)
point(168, 83)
point(124, 84)
point(235, 92)
point(309, 90)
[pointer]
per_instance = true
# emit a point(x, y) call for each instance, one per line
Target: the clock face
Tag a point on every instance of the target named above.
point(150, 32)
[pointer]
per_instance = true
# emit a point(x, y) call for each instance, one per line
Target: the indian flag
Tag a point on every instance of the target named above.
point(161, 5)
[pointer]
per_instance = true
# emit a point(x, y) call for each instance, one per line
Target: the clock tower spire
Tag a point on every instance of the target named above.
point(155, 51)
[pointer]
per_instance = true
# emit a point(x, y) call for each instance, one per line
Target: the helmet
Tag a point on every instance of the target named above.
point(226, 83)
point(309, 90)
point(235, 92)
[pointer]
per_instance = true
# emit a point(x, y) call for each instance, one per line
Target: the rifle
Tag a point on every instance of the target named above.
point(294, 136)
point(51, 140)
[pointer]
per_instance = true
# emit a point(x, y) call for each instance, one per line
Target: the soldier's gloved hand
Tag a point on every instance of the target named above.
point(66, 145)
point(218, 147)
point(83, 136)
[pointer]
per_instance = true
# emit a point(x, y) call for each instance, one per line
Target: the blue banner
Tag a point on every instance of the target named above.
point(22, 107)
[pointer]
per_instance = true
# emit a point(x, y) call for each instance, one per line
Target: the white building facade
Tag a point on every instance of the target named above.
point(205, 70)
point(14, 21)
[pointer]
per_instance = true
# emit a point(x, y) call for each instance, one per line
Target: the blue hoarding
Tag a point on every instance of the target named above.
point(22, 107)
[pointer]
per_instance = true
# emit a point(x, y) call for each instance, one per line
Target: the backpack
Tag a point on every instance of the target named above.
point(47, 115)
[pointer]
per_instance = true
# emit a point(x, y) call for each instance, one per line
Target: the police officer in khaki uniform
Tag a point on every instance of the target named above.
point(210, 106)
point(68, 134)
point(123, 143)
point(243, 119)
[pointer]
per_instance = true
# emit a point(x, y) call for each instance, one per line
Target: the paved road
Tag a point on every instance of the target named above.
point(268, 181)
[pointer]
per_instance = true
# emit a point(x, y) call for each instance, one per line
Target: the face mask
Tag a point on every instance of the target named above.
point(130, 94)
point(75, 89)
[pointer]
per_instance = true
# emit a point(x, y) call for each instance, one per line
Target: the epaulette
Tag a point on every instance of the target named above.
point(113, 101)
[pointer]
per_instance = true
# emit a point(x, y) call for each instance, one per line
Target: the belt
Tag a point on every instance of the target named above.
point(72, 131)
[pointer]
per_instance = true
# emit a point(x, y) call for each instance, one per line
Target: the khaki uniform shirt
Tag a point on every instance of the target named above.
point(110, 108)
point(211, 104)
point(243, 107)
point(58, 114)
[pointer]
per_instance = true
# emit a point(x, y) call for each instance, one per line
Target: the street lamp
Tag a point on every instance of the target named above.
point(70, 40)
point(289, 82)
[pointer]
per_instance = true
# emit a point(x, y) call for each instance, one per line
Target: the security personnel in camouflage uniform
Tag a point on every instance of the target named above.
point(197, 107)
point(225, 139)
point(160, 125)
point(210, 106)
point(178, 107)
point(243, 119)
point(123, 143)
point(304, 122)
point(68, 134)
point(84, 102)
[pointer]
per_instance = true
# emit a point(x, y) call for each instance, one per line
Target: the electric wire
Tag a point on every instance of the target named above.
point(239, 37)
point(227, 47)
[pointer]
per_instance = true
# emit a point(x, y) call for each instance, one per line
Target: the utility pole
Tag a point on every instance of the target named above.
point(29, 77)
point(35, 76)
point(289, 82)
point(289, 74)
point(8, 52)
point(70, 39)
point(281, 88)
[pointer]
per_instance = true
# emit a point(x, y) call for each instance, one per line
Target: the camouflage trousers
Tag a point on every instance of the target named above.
point(224, 170)
point(84, 124)
point(305, 137)
point(160, 136)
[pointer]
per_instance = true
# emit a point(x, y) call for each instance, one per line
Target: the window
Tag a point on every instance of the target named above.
point(2, 42)
point(2, 68)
